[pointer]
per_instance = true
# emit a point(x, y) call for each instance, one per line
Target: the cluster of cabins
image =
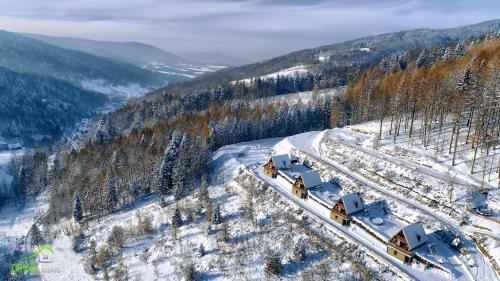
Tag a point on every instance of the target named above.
point(307, 184)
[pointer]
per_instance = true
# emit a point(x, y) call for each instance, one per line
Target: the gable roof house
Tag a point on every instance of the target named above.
point(278, 162)
point(305, 181)
point(405, 241)
point(346, 206)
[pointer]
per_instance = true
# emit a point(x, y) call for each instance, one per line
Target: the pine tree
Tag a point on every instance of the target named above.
point(136, 190)
point(21, 182)
point(460, 50)
point(422, 59)
point(36, 235)
point(77, 208)
point(201, 250)
point(78, 240)
point(189, 272)
point(179, 178)
point(111, 195)
point(168, 160)
point(203, 193)
point(216, 216)
point(176, 219)
point(273, 264)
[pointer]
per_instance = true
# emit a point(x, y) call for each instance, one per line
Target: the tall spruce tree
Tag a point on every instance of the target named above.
point(216, 216)
point(176, 218)
point(111, 190)
point(167, 163)
point(36, 235)
point(77, 208)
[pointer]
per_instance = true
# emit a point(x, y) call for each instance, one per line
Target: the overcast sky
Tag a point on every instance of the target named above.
point(252, 29)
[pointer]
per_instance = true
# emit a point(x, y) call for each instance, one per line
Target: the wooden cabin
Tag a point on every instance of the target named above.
point(277, 162)
point(305, 181)
point(405, 241)
point(345, 207)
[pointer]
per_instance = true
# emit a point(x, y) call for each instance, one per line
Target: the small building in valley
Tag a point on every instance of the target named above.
point(405, 241)
point(305, 181)
point(15, 146)
point(278, 162)
point(346, 206)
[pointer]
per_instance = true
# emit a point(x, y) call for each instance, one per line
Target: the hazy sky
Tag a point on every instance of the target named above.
point(253, 29)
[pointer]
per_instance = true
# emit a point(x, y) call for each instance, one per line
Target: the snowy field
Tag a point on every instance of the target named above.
point(183, 70)
point(301, 97)
point(288, 72)
point(122, 91)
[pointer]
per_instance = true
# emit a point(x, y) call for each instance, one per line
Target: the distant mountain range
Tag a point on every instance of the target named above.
point(362, 52)
point(173, 67)
point(27, 55)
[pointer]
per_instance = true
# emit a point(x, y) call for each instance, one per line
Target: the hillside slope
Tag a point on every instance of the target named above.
point(33, 104)
point(27, 55)
point(170, 66)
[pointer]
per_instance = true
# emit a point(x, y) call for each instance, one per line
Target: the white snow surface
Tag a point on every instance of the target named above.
point(287, 72)
point(125, 91)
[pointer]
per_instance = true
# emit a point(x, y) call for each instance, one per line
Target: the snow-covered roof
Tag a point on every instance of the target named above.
point(292, 173)
point(415, 235)
point(390, 225)
point(352, 203)
point(311, 179)
point(281, 161)
point(327, 194)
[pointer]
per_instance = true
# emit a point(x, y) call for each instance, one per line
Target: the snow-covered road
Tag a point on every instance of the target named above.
point(463, 179)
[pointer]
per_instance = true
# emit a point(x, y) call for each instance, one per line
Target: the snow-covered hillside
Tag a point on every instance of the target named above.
point(182, 70)
point(259, 215)
point(254, 219)
point(288, 72)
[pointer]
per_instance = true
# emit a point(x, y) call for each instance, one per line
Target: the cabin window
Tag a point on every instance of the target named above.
point(356, 204)
point(418, 238)
point(395, 253)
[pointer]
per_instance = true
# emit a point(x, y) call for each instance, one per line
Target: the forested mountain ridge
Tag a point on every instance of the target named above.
point(32, 104)
point(169, 66)
point(332, 58)
point(26, 55)
point(132, 52)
